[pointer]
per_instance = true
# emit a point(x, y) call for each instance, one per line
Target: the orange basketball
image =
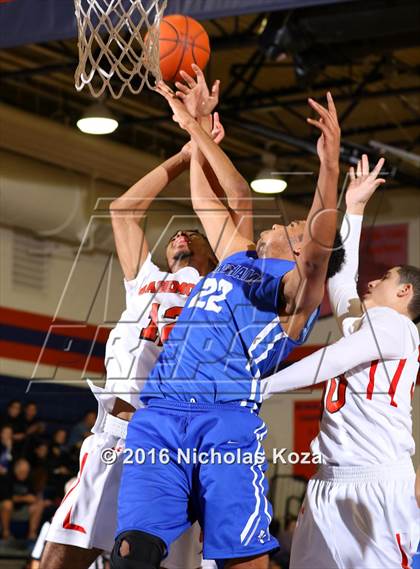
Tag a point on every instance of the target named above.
point(182, 41)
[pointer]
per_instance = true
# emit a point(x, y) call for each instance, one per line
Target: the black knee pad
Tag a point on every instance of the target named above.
point(146, 551)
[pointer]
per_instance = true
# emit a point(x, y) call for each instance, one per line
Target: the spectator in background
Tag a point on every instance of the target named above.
point(32, 424)
point(58, 442)
point(6, 450)
point(281, 558)
point(6, 459)
point(19, 501)
point(286, 535)
point(14, 419)
point(81, 430)
point(61, 465)
point(39, 460)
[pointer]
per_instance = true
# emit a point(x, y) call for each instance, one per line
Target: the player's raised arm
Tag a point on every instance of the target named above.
point(200, 102)
point(342, 287)
point(375, 340)
point(304, 286)
point(222, 233)
point(128, 210)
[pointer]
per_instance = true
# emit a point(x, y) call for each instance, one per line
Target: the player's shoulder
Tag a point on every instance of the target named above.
point(147, 269)
point(394, 323)
point(270, 265)
point(186, 274)
point(245, 255)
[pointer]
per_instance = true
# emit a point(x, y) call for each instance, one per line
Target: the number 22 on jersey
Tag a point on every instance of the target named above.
point(212, 293)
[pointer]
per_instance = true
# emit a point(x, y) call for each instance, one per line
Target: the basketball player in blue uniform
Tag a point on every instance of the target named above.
point(196, 450)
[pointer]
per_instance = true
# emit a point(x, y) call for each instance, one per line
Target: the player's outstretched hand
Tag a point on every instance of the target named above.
point(363, 184)
point(328, 145)
point(195, 93)
point(217, 134)
point(180, 112)
point(218, 131)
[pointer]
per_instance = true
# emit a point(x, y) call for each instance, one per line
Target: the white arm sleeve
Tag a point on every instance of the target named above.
point(381, 336)
point(342, 287)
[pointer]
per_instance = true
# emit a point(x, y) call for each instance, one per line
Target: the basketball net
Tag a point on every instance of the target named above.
point(118, 44)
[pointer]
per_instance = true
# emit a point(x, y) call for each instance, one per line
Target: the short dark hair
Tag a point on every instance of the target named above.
point(337, 257)
point(411, 275)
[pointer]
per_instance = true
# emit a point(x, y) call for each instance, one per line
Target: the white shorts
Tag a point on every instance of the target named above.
point(87, 516)
point(358, 518)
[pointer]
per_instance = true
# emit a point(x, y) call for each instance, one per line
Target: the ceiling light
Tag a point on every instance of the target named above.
point(97, 119)
point(268, 182)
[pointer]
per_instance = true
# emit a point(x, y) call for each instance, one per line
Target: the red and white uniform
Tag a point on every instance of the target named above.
point(87, 516)
point(360, 510)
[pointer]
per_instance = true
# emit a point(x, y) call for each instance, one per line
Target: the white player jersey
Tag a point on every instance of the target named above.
point(366, 415)
point(372, 369)
point(154, 300)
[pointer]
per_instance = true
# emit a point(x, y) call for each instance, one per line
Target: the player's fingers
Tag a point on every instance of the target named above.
point(216, 119)
point(164, 87)
point(180, 95)
point(318, 124)
point(182, 87)
point(378, 183)
point(319, 109)
point(359, 169)
point(219, 133)
point(376, 171)
point(216, 88)
point(352, 174)
point(188, 79)
point(163, 90)
point(365, 165)
point(331, 105)
point(199, 74)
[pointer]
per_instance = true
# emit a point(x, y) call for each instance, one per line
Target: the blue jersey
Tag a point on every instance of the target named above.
point(228, 336)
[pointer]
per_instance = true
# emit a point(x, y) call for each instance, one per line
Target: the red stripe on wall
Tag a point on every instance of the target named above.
point(23, 319)
point(56, 358)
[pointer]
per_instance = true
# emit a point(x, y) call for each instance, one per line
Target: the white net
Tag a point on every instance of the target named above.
point(118, 45)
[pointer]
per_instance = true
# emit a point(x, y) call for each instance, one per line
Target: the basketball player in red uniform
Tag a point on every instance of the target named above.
point(360, 509)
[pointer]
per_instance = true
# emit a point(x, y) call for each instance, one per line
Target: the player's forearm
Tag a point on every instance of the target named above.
point(139, 197)
point(321, 225)
point(342, 288)
point(240, 206)
point(206, 123)
point(223, 236)
point(359, 348)
point(234, 185)
point(203, 196)
point(322, 216)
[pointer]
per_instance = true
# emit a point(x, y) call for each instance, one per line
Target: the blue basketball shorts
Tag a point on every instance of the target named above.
point(186, 462)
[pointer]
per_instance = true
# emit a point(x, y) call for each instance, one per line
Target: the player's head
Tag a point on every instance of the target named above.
point(285, 242)
point(189, 247)
point(281, 241)
point(399, 288)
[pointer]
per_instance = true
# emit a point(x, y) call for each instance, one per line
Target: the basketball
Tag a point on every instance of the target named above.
point(182, 41)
